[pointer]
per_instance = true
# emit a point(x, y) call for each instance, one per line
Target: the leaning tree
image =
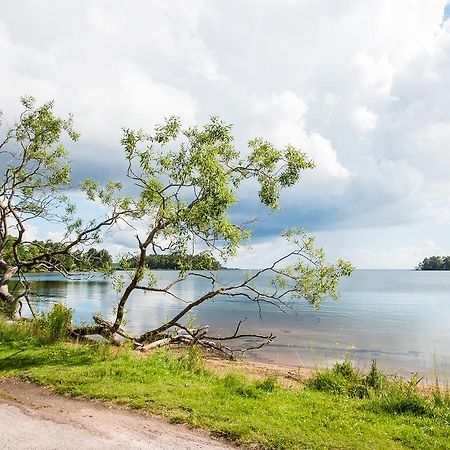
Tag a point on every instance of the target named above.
point(185, 183)
point(181, 186)
point(34, 183)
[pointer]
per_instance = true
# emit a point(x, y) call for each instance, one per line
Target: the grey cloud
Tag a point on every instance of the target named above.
point(364, 87)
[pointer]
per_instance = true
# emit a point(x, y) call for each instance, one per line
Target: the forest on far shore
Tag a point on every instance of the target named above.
point(435, 263)
point(101, 260)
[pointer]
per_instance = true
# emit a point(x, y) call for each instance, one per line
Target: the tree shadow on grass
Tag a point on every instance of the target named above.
point(26, 359)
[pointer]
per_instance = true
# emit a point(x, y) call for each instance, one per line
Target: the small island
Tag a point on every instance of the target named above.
point(435, 263)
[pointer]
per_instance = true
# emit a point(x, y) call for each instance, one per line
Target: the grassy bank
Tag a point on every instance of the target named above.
point(338, 408)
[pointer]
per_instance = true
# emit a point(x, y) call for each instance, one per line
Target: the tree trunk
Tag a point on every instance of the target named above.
point(8, 303)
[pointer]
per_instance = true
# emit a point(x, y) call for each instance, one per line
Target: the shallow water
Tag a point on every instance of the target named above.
point(399, 317)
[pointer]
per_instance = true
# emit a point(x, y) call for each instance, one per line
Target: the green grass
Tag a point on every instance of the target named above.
point(364, 412)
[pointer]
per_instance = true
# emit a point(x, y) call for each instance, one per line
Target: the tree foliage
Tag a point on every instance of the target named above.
point(174, 261)
point(68, 261)
point(435, 263)
point(34, 178)
point(186, 181)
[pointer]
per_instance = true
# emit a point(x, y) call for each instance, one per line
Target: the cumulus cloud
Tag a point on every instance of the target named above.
point(364, 119)
point(281, 118)
point(376, 74)
point(362, 87)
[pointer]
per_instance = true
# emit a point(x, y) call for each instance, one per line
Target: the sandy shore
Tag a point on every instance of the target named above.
point(31, 417)
point(288, 376)
point(294, 377)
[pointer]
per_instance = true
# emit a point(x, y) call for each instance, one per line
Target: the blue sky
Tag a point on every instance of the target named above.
point(447, 11)
point(363, 87)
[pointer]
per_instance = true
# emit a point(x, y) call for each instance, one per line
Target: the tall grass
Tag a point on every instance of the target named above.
point(56, 323)
point(337, 408)
point(385, 395)
point(46, 328)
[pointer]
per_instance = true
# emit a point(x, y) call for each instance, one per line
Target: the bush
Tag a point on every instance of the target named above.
point(269, 384)
point(346, 369)
point(47, 328)
point(400, 402)
point(193, 361)
point(54, 326)
point(18, 334)
point(393, 397)
point(8, 309)
point(375, 379)
point(404, 397)
point(328, 381)
point(441, 398)
point(59, 321)
point(343, 378)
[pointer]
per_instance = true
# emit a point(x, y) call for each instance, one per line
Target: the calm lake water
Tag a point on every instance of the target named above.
point(399, 317)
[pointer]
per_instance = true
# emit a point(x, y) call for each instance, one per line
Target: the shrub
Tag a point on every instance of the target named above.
point(17, 334)
point(193, 361)
point(404, 397)
point(343, 378)
point(400, 397)
point(346, 369)
point(59, 321)
point(441, 398)
point(53, 326)
point(402, 403)
point(8, 309)
point(375, 379)
point(237, 384)
point(328, 381)
point(269, 384)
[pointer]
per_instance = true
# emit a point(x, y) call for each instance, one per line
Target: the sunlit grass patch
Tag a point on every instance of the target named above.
point(338, 408)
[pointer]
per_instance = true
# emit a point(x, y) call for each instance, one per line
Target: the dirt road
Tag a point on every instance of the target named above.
point(33, 418)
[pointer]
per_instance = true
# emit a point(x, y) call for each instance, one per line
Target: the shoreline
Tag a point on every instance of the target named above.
point(295, 376)
point(247, 403)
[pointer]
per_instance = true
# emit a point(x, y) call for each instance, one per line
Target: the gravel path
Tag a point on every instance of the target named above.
point(33, 418)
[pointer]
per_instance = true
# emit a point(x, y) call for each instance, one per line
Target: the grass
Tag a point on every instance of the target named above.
point(336, 409)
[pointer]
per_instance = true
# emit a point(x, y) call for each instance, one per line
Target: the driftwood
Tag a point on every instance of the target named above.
point(181, 336)
point(160, 343)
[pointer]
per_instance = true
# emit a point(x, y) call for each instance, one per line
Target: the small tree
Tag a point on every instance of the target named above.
point(187, 180)
point(34, 173)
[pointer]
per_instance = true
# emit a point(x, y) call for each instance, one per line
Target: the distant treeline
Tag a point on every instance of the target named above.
point(201, 261)
point(101, 260)
point(71, 261)
point(435, 263)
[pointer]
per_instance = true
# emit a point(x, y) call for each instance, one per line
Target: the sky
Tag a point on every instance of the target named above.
point(362, 87)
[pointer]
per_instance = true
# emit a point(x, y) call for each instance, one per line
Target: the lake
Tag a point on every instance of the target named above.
point(399, 317)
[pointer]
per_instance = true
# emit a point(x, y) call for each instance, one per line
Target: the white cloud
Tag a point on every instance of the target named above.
point(282, 119)
point(396, 256)
point(364, 119)
point(31, 233)
point(363, 87)
point(399, 254)
point(376, 74)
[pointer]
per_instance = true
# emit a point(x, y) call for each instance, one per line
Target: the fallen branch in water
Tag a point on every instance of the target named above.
point(182, 336)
